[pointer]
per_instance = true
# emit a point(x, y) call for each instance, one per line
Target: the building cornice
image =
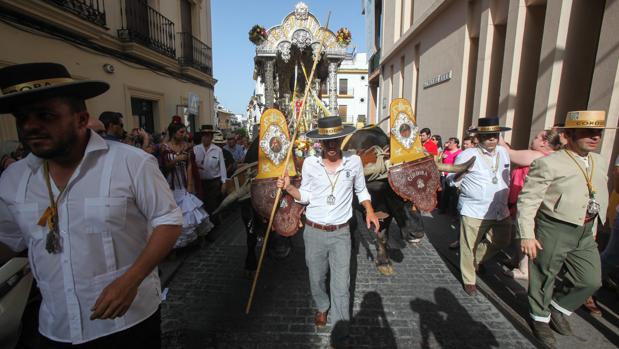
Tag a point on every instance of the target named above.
point(56, 16)
point(437, 7)
point(352, 71)
point(98, 39)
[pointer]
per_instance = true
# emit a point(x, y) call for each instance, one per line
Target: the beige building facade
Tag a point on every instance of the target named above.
point(156, 55)
point(526, 61)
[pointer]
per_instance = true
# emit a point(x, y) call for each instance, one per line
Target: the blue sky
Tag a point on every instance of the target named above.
point(233, 53)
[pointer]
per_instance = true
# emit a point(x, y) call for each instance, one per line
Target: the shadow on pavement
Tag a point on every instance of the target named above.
point(368, 328)
point(450, 323)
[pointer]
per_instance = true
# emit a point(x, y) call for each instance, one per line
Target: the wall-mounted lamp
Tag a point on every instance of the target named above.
point(108, 68)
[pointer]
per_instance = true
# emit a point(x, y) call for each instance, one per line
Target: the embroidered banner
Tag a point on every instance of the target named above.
point(405, 144)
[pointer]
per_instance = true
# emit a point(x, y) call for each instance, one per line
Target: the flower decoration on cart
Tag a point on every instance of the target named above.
point(344, 37)
point(257, 34)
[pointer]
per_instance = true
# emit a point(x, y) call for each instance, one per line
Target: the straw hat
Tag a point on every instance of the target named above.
point(586, 119)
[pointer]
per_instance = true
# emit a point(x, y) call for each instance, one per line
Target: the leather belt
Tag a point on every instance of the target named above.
point(325, 227)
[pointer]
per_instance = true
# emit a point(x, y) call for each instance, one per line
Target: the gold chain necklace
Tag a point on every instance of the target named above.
point(331, 197)
point(593, 207)
point(494, 168)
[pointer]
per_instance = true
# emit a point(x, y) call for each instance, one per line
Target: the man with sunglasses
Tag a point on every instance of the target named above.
point(485, 225)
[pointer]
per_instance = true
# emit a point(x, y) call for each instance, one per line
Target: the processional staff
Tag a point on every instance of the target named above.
point(285, 167)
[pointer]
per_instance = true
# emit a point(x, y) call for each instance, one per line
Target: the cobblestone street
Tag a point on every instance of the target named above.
point(422, 306)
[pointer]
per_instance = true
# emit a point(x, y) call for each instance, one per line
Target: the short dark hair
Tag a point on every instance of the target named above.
point(426, 131)
point(110, 118)
point(455, 140)
point(467, 138)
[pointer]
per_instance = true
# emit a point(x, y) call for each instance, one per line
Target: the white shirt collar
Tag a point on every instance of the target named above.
point(95, 143)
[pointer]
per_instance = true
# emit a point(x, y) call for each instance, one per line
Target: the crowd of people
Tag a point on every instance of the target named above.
point(98, 208)
point(548, 201)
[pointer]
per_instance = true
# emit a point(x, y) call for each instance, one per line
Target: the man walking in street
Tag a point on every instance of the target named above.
point(327, 187)
point(84, 207)
point(565, 193)
point(212, 169)
point(485, 225)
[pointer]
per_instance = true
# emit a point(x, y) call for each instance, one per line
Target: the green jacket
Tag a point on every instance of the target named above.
point(556, 187)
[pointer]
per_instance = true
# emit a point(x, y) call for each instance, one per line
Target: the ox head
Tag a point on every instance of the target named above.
point(455, 168)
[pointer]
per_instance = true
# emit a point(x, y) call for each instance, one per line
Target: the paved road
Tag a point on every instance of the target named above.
point(589, 331)
point(422, 306)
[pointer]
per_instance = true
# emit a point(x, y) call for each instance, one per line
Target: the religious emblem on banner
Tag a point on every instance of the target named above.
point(273, 145)
point(414, 175)
point(405, 144)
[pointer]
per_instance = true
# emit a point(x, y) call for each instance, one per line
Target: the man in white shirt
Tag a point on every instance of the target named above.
point(83, 208)
point(485, 226)
point(327, 187)
point(212, 169)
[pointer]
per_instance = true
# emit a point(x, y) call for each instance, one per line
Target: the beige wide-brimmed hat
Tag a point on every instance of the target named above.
point(586, 119)
point(218, 138)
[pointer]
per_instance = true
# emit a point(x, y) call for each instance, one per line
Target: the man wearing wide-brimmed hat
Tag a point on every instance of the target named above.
point(564, 195)
point(485, 225)
point(327, 186)
point(211, 166)
point(83, 207)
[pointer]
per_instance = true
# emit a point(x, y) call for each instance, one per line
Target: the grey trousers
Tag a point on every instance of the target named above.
point(324, 251)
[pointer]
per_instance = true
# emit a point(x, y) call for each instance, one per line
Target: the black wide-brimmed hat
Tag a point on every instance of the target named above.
point(330, 127)
point(25, 83)
point(208, 128)
point(489, 125)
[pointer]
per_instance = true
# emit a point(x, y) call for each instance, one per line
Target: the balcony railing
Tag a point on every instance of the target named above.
point(91, 10)
point(145, 25)
point(374, 62)
point(195, 53)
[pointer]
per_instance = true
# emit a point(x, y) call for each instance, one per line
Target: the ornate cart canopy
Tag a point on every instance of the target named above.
point(283, 51)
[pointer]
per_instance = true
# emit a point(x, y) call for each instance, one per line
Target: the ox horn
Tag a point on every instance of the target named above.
point(455, 168)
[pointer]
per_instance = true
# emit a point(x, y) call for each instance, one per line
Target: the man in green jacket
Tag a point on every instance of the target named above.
point(565, 193)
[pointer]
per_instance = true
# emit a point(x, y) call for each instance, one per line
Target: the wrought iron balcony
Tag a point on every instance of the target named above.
point(145, 25)
point(374, 62)
point(195, 53)
point(91, 10)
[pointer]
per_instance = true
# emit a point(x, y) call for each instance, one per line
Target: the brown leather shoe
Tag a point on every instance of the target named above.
point(471, 290)
point(320, 319)
point(592, 307)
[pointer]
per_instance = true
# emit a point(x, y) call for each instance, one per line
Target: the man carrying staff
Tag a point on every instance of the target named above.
point(83, 207)
point(563, 196)
point(327, 188)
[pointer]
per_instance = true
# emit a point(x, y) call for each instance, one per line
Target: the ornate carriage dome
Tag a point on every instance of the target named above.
point(302, 30)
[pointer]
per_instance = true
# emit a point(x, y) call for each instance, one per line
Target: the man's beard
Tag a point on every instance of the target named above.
point(58, 149)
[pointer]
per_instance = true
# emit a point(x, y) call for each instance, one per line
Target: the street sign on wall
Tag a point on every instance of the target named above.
point(193, 103)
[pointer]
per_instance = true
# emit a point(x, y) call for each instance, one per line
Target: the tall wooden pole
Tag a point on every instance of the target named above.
point(288, 155)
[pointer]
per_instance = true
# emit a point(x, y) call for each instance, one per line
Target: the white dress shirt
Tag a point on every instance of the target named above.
point(113, 200)
point(316, 187)
point(210, 162)
point(479, 197)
